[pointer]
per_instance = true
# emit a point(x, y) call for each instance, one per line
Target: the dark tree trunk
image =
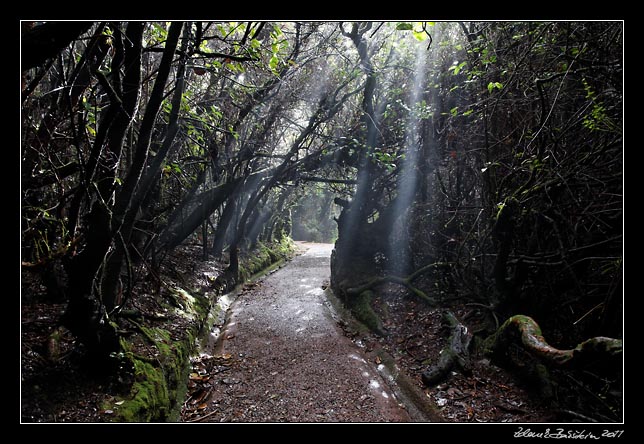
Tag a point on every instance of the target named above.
point(102, 164)
point(84, 313)
point(87, 312)
point(225, 219)
point(190, 199)
point(45, 41)
point(276, 217)
point(206, 204)
point(125, 199)
point(42, 141)
point(262, 219)
point(357, 244)
point(127, 206)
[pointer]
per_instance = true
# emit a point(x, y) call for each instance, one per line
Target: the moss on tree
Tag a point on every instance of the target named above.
point(360, 306)
point(519, 343)
point(525, 331)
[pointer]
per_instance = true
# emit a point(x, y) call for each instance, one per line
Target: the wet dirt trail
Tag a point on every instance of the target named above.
point(283, 358)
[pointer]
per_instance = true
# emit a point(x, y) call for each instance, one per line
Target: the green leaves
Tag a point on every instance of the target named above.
point(457, 67)
point(418, 29)
point(386, 159)
point(273, 63)
point(158, 33)
point(487, 58)
point(404, 27)
point(421, 36)
point(597, 119)
point(278, 45)
point(422, 110)
point(494, 85)
point(172, 167)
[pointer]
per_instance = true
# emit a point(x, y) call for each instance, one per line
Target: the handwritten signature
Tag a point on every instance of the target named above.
point(566, 434)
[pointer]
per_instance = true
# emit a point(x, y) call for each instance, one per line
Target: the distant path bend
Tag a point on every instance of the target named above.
point(290, 361)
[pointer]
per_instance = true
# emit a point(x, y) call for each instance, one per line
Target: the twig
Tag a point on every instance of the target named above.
point(590, 392)
point(588, 312)
point(201, 418)
point(508, 408)
point(491, 309)
point(577, 415)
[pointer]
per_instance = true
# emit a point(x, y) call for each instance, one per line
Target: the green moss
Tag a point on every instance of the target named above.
point(265, 256)
point(150, 401)
point(527, 323)
point(160, 383)
point(362, 310)
point(499, 340)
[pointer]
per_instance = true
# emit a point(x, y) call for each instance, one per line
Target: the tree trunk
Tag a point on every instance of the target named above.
point(67, 100)
point(124, 198)
point(129, 201)
point(187, 201)
point(207, 203)
point(357, 245)
point(102, 164)
point(45, 41)
point(87, 312)
point(275, 217)
point(84, 312)
point(263, 217)
point(225, 219)
point(523, 330)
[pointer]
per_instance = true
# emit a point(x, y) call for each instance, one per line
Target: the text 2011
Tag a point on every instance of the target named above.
point(612, 433)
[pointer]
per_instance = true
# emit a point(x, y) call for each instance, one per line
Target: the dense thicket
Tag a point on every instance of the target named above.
point(484, 160)
point(137, 135)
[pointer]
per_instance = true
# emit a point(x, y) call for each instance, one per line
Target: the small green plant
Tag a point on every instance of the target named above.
point(494, 85)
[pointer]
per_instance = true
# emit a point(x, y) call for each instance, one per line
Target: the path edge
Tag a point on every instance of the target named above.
point(419, 407)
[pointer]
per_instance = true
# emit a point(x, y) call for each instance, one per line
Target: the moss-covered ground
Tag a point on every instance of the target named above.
point(158, 352)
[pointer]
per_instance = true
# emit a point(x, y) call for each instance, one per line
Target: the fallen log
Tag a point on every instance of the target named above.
point(456, 354)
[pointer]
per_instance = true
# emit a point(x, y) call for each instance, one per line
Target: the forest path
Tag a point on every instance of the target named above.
point(283, 358)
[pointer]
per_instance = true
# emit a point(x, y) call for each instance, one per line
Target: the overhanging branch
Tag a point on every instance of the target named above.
point(328, 180)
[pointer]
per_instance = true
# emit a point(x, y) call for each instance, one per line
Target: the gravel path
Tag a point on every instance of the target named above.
point(284, 359)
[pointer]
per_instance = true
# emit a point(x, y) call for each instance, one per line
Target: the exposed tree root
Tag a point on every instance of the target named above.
point(524, 331)
point(396, 280)
point(456, 354)
point(519, 344)
point(360, 306)
point(406, 282)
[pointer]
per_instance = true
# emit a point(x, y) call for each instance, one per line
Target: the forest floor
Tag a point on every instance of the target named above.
point(283, 357)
